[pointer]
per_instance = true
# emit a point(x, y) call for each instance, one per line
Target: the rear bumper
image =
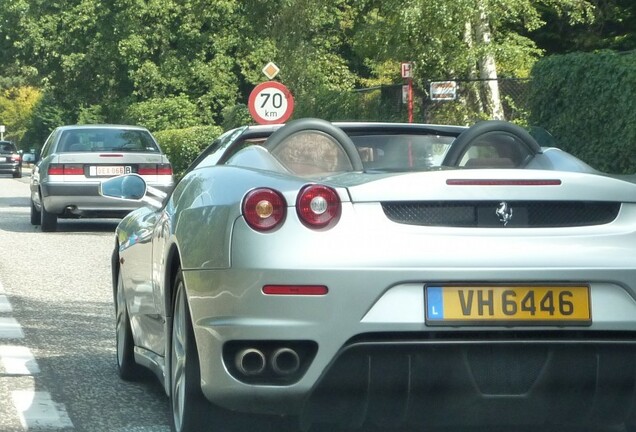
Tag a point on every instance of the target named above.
point(83, 199)
point(377, 361)
point(530, 382)
point(10, 168)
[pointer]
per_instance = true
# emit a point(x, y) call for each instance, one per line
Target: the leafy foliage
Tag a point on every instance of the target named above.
point(165, 113)
point(587, 101)
point(47, 114)
point(16, 108)
point(235, 116)
point(612, 27)
point(183, 145)
point(170, 64)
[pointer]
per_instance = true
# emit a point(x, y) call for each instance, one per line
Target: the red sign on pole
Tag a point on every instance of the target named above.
point(407, 69)
point(407, 74)
point(271, 103)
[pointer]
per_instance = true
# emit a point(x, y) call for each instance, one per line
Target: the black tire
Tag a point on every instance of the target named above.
point(48, 221)
point(188, 405)
point(18, 174)
point(128, 369)
point(35, 215)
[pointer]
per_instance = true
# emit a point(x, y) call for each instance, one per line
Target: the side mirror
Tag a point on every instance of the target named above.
point(130, 187)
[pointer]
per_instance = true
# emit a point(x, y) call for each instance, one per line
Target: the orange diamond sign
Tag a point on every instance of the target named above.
point(271, 70)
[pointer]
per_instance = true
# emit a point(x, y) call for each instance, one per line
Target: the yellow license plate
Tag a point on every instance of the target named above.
point(508, 305)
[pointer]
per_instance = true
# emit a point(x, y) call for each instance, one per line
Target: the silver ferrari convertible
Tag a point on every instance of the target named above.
point(375, 275)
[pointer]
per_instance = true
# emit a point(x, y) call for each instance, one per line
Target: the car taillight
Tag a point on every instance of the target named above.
point(155, 169)
point(15, 157)
point(164, 169)
point(318, 206)
point(66, 169)
point(264, 209)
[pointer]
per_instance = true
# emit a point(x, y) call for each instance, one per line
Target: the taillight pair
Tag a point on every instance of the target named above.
point(317, 207)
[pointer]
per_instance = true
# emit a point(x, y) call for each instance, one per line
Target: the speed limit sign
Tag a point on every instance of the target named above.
point(271, 103)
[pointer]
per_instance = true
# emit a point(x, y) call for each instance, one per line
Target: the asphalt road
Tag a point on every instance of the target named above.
point(57, 346)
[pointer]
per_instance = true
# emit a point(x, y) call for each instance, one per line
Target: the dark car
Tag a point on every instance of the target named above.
point(10, 159)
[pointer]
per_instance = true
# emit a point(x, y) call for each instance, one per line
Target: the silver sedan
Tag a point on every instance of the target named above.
point(75, 159)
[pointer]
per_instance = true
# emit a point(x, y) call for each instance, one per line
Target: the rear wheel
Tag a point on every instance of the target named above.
point(35, 214)
point(18, 173)
point(191, 411)
point(47, 220)
point(127, 367)
point(189, 407)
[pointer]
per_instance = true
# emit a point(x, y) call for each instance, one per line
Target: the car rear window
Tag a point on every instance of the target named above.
point(402, 152)
point(7, 147)
point(106, 140)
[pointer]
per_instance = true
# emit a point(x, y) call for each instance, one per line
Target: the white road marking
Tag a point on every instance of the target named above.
point(38, 411)
point(5, 306)
point(18, 360)
point(10, 329)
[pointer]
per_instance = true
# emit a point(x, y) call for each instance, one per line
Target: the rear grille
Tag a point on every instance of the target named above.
point(483, 214)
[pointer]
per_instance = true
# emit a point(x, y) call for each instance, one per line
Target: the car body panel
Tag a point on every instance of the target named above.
point(373, 315)
point(75, 195)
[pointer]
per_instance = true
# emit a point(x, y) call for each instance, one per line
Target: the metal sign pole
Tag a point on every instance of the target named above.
point(410, 100)
point(407, 74)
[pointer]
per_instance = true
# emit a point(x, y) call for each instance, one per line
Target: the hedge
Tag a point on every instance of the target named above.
point(183, 145)
point(587, 101)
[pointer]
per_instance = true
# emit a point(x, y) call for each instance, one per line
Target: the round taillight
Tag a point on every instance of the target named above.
point(264, 209)
point(318, 206)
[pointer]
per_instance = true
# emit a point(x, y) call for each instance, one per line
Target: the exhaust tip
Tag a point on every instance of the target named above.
point(250, 361)
point(285, 361)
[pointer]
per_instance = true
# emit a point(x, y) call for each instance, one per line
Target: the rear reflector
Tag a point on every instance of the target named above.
point(494, 182)
point(308, 290)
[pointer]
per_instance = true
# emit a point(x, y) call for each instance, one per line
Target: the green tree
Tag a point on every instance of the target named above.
point(97, 59)
point(612, 28)
point(456, 39)
point(47, 114)
point(16, 109)
point(165, 113)
point(90, 52)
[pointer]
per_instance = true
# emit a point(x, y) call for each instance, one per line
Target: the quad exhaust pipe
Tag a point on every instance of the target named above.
point(253, 362)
